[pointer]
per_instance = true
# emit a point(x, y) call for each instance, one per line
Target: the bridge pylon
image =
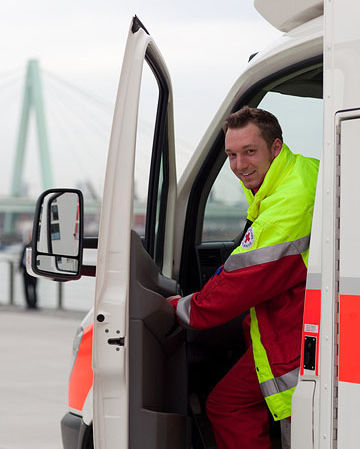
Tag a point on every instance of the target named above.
point(32, 100)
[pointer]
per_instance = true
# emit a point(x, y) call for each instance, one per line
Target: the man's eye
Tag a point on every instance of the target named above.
point(251, 151)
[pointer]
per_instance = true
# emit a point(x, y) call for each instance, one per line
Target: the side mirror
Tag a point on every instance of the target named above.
point(57, 243)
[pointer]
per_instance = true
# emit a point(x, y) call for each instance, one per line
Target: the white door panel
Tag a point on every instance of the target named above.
point(302, 408)
point(110, 344)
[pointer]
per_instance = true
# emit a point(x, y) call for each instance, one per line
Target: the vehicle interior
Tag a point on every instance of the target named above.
point(212, 352)
point(173, 369)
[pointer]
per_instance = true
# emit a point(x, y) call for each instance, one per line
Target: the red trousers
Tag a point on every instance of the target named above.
point(237, 409)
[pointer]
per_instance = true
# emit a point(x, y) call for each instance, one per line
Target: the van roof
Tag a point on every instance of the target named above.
point(288, 14)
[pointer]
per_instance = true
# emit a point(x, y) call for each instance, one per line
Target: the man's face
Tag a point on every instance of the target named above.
point(249, 155)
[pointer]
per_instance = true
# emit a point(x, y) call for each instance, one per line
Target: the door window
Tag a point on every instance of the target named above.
point(225, 211)
point(149, 97)
point(151, 162)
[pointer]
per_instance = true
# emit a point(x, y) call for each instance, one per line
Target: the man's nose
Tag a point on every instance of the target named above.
point(241, 162)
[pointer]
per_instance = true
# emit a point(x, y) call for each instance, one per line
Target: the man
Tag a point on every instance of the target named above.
point(265, 274)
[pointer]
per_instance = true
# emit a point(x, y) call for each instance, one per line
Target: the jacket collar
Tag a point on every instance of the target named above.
point(273, 178)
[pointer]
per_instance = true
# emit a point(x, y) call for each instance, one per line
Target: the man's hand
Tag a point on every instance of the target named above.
point(173, 301)
point(170, 298)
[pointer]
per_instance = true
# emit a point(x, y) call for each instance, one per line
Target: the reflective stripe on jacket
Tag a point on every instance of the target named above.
point(267, 275)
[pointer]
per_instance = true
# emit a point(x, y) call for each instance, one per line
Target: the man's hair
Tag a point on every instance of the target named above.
point(266, 122)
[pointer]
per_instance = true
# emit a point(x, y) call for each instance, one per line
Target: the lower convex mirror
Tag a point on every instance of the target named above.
point(58, 227)
point(57, 264)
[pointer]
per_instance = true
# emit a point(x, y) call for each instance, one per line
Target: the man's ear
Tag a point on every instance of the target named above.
point(276, 147)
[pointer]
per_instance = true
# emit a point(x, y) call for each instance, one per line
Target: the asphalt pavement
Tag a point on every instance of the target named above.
point(35, 358)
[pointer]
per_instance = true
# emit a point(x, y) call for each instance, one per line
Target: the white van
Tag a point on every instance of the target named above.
point(151, 377)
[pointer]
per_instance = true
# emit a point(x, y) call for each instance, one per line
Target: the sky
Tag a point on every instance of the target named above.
point(80, 45)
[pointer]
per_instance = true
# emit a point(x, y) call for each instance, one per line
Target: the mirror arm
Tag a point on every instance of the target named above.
point(90, 242)
point(88, 270)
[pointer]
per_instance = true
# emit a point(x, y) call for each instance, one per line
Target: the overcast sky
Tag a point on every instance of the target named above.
point(206, 45)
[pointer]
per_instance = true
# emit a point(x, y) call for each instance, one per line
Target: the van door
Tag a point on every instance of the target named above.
point(138, 350)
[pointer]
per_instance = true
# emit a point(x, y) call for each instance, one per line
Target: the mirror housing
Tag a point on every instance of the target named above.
point(57, 243)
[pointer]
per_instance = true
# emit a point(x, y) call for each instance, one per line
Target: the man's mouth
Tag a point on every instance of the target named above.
point(248, 174)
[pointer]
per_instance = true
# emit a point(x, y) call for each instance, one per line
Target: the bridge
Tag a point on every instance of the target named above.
point(65, 130)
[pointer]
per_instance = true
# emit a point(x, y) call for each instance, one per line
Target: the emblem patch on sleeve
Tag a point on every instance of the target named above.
point(248, 240)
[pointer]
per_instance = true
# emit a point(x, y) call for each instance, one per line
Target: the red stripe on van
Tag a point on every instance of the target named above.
point(81, 378)
point(311, 324)
point(349, 336)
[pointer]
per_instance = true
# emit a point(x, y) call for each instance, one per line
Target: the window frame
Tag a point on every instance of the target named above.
point(154, 238)
point(194, 220)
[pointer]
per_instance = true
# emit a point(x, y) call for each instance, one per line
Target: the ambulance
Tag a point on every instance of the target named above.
point(138, 379)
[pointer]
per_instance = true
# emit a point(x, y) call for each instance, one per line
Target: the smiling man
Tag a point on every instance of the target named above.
point(250, 155)
point(265, 274)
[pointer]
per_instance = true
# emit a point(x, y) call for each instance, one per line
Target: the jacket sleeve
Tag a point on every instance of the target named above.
point(244, 281)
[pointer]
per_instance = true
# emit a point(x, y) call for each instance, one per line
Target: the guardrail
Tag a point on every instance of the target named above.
point(11, 260)
point(73, 296)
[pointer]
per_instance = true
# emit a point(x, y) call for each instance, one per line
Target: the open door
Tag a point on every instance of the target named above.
point(138, 351)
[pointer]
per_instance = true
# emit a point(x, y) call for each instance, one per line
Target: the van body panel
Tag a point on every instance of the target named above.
point(333, 252)
point(285, 15)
